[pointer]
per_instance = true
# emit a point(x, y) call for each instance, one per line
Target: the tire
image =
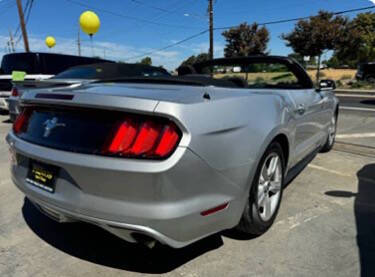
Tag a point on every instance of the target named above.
point(331, 135)
point(370, 79)
point(259, 215)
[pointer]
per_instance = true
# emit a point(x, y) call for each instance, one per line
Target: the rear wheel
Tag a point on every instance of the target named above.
point(265, 194)
point(331, 135)
point(370, 79)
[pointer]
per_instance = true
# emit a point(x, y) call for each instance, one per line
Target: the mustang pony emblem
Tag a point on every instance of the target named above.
point(51, 124)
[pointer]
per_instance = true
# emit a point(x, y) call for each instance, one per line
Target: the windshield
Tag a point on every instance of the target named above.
point(258, 75)
point(257, 72)
point(27, 62)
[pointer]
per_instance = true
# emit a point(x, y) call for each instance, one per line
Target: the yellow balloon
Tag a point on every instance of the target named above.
point(90, 22)
point(50, 42)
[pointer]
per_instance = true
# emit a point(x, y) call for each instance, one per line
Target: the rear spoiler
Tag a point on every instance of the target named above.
point(27, 84)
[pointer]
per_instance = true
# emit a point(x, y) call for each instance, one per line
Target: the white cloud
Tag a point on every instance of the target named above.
point(170, 59)
point(373, 1)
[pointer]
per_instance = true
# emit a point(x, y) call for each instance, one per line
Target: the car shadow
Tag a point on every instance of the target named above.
point(368, 102)
point(364, 211)
point(91, 243)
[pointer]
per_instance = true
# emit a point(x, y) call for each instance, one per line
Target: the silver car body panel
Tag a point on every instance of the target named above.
point(223, 140)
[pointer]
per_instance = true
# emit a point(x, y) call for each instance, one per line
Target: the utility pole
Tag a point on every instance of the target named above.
point(23, 26)
point(79, 42)
point(11, 41)
point(211, 15)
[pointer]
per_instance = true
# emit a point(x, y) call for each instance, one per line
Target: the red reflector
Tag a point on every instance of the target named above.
point(15, 92)
point(21, 121)
point(167, 142)
point(215, 209)
point(124, 137)
point(146, 138)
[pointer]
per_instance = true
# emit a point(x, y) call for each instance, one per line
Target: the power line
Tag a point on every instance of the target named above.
point(168, 46)
point(129, 17)
point(301, 18)
point(23, 26)
point(24, 11)
point(28, 12)
point(6, 8)
point(170, 11)
point(223, 28)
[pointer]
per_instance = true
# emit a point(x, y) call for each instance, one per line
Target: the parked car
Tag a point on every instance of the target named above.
point(172, 159)
point(82, 74)
point(38, 66)
point(366, 72)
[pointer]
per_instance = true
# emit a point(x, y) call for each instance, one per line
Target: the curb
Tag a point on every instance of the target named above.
point(353, 91)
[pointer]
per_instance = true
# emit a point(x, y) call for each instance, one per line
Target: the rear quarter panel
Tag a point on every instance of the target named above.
point(233, 129)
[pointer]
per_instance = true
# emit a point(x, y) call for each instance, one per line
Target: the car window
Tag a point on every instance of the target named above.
point(79, 73)
point(259, 75)
point(55, 64)
point(27, 62)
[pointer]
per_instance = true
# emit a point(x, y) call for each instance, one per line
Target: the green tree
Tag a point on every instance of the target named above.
point(317, 34)
point(297, 57)
point(246, 40)
point(146, 61)
point(359, 35)
point(196, 59)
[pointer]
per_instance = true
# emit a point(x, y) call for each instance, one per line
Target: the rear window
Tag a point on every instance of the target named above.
point(27, 62)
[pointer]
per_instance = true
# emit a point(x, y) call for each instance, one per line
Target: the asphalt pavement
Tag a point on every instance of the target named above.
point(325, 228)
point(357, 101)
point(356, 123)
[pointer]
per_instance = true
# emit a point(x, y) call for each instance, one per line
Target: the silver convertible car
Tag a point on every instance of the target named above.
point(173, 159)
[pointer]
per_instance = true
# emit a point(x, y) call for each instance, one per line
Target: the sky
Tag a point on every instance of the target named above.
point(130, 28)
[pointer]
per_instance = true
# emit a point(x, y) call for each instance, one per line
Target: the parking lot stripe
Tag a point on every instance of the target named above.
point(329, 170)
point(357, 135)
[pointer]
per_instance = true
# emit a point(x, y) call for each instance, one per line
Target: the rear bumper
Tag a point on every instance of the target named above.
point(162, 200)
point(122, 230)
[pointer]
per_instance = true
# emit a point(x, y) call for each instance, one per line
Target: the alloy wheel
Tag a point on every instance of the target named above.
point(332, 131)
point(269, 186)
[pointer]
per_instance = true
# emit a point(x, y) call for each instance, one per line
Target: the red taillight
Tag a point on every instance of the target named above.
point(15, 92)
point(124, 137)
point(144, 139)
point(168, 141)
point(21, 121)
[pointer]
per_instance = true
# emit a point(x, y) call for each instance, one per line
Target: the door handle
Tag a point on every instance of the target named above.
point(301, 109)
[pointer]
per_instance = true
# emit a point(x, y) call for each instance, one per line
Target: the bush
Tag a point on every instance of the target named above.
point(362, 85)
point(259, 80)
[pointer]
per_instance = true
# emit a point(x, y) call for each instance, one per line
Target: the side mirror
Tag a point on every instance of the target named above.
point(327, 85)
